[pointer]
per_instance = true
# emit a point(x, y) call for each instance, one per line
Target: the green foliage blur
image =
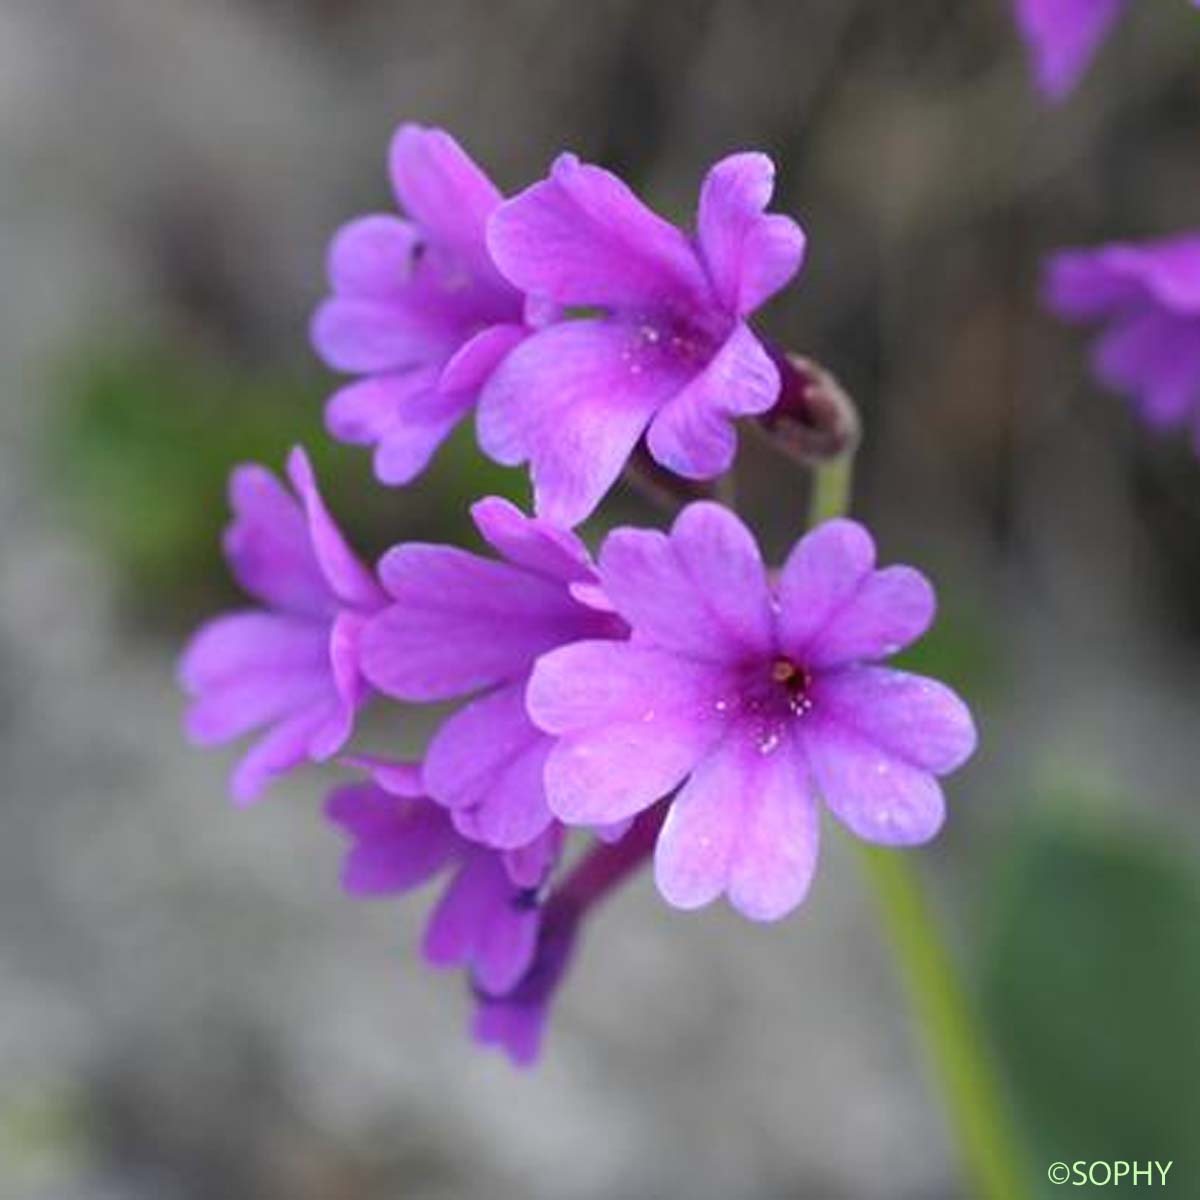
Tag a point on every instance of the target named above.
point(1090, 973)
point(144, 437)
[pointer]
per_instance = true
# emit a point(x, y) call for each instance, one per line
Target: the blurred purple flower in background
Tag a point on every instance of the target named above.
point(1148, 296)
point(460, 625)
point(666, 350)
point(417, 307)
point(757, 699)
point(292, 664)
point(1063, 36)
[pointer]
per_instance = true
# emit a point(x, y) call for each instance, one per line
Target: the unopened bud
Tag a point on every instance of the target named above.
point(814, 420)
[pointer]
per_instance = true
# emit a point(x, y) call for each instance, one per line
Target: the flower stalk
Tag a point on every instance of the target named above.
point(609, 864)
point(951, 1035)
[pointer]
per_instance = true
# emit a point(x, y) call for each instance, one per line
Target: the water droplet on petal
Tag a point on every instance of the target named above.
point(768, 743)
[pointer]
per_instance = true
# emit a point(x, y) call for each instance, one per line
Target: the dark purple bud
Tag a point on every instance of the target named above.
point(814, 420)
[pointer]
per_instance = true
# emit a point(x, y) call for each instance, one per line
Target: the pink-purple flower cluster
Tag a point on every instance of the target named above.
point(674, 699)
point(473, 300)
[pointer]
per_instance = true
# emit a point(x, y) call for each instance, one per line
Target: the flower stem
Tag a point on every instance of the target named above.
point(951, 1035)
point(608, 864)
point(831, 486)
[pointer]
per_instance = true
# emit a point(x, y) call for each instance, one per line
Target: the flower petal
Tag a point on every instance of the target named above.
point(396, 777)
point(480, 923)
point(460, 623)
point(891, 609)
point(532, 543)
point(349, 685)
point(403, 414)
point(530, 865)
point(248, 669)
point(225, 713)
point(486, 762)
point(360, 335)
point(1155, 358)
point(631, 723)
point(1170, 269)
point(750, 255)
point(283, 748)
point(822, 574)
point(372, 257)
point(405, 451)
point(440, 186)
point(516, 1020)
point(592, 683)
point(478, 357)
point(250, 641)
point(1086, 284)
point(908, 716)
point(399, 844)
point(693, 435)
point(573, 401)
point(746, 824)
point(268, 547)
point(876, 795)
point(701, 591)
point(348, 579)
point(582, 238)
point(1081, 285)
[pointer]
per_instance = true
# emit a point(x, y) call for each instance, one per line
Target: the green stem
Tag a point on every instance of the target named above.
point(831, 486)
point(951, 1034)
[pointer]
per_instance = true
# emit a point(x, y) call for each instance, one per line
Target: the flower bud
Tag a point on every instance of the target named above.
point(814, 420)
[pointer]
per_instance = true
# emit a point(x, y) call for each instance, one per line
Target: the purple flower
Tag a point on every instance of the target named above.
point(417, 308)
point(460, 625)
point(757, 699)
point(1149, 296)
point(489, 914)
point(1063, 36)
point(290, 665)
point(668, 351)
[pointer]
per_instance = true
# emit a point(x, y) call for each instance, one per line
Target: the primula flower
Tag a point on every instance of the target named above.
point(757, 698)
point(1149, 296)
point(461, 625)
point(486, 921)
point(290, 665)
point(417, 308)
point(667, 351)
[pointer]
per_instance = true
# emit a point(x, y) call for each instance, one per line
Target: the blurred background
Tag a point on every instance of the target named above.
point(189, 1009)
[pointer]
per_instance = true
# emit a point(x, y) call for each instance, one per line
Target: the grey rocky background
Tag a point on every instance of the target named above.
point(188, 1008)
